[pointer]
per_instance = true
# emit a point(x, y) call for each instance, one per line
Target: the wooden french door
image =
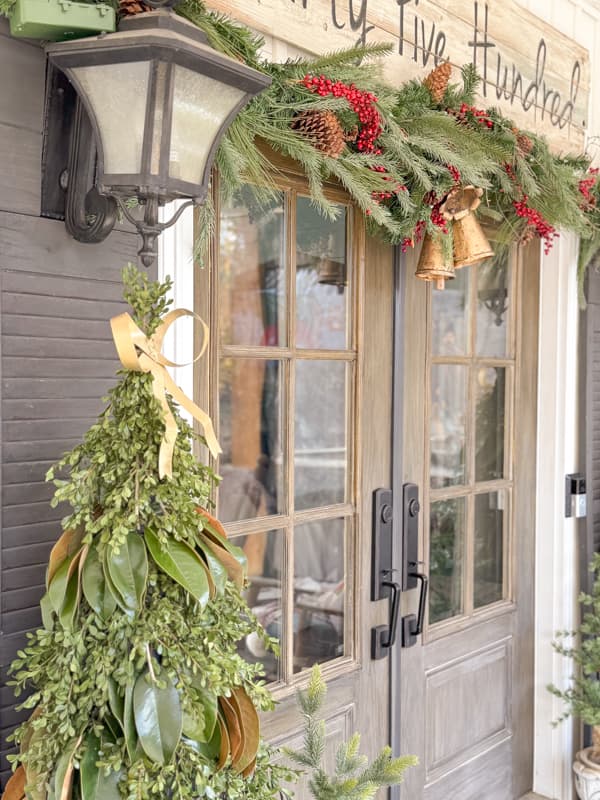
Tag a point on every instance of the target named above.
point(300, 311)
point(464, 692)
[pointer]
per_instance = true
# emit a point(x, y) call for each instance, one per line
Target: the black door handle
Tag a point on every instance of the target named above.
point(412, 626)
point(383, 637)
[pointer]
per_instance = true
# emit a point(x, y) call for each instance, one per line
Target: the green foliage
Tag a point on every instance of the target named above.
point(353, 777)
point(582, 697)
point(142, 619)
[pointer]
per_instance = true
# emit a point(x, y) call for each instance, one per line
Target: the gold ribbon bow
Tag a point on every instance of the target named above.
point(142, 354)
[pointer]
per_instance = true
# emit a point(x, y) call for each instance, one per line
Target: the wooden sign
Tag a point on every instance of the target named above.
point(535, 74)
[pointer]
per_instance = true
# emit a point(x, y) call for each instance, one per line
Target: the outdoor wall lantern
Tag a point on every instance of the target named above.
point(156, 102)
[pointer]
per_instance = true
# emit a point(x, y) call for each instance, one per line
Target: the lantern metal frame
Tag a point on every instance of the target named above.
point(93, 196)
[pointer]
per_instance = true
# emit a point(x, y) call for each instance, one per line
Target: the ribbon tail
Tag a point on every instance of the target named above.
point(167, 445)
point(201, 416)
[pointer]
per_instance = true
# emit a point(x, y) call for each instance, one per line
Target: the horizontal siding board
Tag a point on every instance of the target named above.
point(23, 620)
point(48, 388)
point(24, 472)
point(57, 368)
point(42, 246)
point(21, 599)
point(43, 429)
point(33, 575)
point(23, 324)
point(36, 533)
point(20, 156)
point(46, 347)
point(32, 450)
point(15, 557)
point(19, 493)
point(59, 286)
point(14, 410)
point(29, 513)
point(63, 307)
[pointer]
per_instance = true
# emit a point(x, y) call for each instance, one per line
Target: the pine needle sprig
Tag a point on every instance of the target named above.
point(353, 777)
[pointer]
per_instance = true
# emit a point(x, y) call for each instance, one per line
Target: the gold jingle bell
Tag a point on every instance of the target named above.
point(433, 264)
point(470, 242)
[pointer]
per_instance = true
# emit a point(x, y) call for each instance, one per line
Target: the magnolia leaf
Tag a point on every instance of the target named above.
point(112, 589)
point(236, 734)
point(95, 783)
point(158, 717)
point(184, 565)
point(234, 569)
point(69, 609)
point(216, 569)
point(193, 723)
point(116, 701)
point(249, 725)
point(214, 530)
point(95, 588)
point(65, 548)
point(15, 788)
point(63, 777)
point(211, 749)
point(131, 738)
point(58, 586)
point(249, 771)
point(47, 612)
point(225, 746)
point(128, 569)
point(112, 729)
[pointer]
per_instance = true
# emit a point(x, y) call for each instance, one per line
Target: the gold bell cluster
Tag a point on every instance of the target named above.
point(470, 244)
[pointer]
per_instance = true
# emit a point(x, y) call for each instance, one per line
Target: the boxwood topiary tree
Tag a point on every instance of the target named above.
point(137, 689)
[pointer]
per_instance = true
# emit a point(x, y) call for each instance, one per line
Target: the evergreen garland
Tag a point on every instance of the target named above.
point(426, 147)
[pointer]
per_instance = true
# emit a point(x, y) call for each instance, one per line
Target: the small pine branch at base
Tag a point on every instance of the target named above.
point(353, 777)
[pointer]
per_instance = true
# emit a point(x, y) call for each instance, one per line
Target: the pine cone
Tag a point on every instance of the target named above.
point(524, 143)
point(437, 81)
point(128, 8)
point(527, 235)
point(323, 130)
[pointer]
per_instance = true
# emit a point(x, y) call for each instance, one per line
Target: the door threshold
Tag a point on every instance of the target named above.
point(534, 796)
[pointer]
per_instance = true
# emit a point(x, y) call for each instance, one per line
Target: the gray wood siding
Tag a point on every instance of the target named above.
point(590, 542)
point(56, 354)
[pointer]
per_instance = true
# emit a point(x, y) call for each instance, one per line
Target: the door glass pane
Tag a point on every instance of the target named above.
point(319, 566)
point(320, 433)
point(250, 434)
point(265, 553)
point(322, 290)
point(450, 316)
point(446, 549)
point(489, 423)
point(492, 308)
point(489, 548)
point(447, 425)
point(252, 272)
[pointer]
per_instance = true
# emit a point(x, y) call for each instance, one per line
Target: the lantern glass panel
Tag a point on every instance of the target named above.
point(201, 105)
point(117, 94)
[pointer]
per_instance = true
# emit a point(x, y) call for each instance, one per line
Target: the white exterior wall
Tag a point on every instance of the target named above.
point(558, 452)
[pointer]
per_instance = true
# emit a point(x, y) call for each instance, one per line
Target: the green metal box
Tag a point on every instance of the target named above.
point(59, 20)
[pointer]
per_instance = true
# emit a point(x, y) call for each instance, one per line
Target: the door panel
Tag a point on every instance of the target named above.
point(301, 314)
point(466, 687)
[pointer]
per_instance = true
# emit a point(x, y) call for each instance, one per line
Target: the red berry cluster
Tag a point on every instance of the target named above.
point(387, 195)
point(417, 236)
point(438, 219)
point(468, 113)
point(586, 185)
point(454, 172)
point(362, 103)
point(535, 220)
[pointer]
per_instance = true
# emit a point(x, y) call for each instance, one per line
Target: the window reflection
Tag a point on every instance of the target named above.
point(489, 548)
point(250, 434)
point(265, 554)
point(318, 592)
point(447, 431)
point(446, 548)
